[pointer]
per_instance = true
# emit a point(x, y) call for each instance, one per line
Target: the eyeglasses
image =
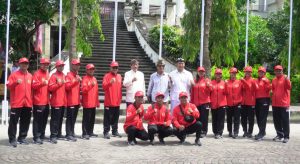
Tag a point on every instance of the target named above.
point(115, 67)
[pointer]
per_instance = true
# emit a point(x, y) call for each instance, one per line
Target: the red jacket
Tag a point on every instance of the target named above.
point(158, 116)
point(72, 89)
point(234, 92)
point(89, 92)
point(39, 88)
point(218, 94)
point(200, 92)
point(263, 87)
point(57, 89)
point(112, 92)
point(134, 119)
point(20, 94)
point(178, 117)
point(249, 88)
point(281, 87)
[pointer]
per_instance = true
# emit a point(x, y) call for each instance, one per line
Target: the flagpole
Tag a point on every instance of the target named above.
point(247, 29)
point(5, 102)
point(162, 8)
point(202, 34)
point(290, 44)
point(60, 29)
point(115, 30)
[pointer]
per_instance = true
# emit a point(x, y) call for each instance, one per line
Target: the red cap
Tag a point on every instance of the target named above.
point(90, 66)
point(59, 63)
point(159, 94)
point(262, 69)
point(44, 61)
point(201, 69)
point(183, 94)
point(114, 64)
point(23, 60)
point(278, 67)
point(248, 69)
point(218, 71)
point(233, 70)
point(75, 61)
point(139, 94)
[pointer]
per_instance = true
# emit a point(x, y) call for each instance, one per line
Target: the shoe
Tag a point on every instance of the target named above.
point(286, 140)
point(245, 134)
point(197, 142)
point(13, 143)
point(235, 136)
point(23, 142)
point(249, 135)
point(131, 143)
point(217, 136)
point(116, 134)
point(44, 138)
point(106, 136)
point(258, 137)
point(93, 135)
point(37, 141)
point(161, 141)
point(230, 135)
point(71, 138)
point(151, 142)
point(86, 137)
point(53, 140)
point(61, 137)
point(135, 141)
point(277, 138)
point(182, 139)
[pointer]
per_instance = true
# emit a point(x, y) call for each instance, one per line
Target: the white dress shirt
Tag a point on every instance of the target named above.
point(181, 82)
point(132, 87)
point(159, 83)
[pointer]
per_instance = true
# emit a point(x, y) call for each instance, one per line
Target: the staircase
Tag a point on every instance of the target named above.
point(127, 48)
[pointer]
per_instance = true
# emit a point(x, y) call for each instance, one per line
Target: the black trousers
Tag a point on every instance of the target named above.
point(194, 128)
point(281, 121)
point(24, 114)
point(133, 133)
point(218, 118)
point(40, 119)
point(247, 117)
point(204, 112)
point(88, 121)
point(71, 120)
point(111, 118)
point(163, 131)
point(57, 115)
point(261, 111)
point(233, 117)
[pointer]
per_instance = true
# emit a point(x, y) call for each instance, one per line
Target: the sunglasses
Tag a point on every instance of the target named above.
point(115, 67)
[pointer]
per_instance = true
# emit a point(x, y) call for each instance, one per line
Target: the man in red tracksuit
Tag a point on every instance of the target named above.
point(262, 95)
point(19, 84)
point(234, 101)
point(218, 104)
point(112, 86)
point(58, 100)
point(40, 101)
point(159, 119)
point(90, 101)
point(248, 104)
point(73, 98)
point(133, 125)
point(185, 117)
point(281, 87)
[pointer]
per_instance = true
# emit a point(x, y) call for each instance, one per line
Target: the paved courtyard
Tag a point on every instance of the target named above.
point(116, 150)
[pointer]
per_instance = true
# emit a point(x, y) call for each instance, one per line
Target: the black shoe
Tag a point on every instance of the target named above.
point(218, 136)
point(23, 142)
point(53, 140)
point(235, 136)
point(249, 135)
point(93, 135)
point(277, 138)
point(37, 141)
point(61, 137)
point(44, 138)
point(71, 138)
point(182, 139)
point(230, 135)
point(86, 137)
point(151, 142)
point(286, 140)
point(161, 141)
point(131, 143)
point(116, 134)
point(258, 137)
point(135, 141)
point(197, 142)
point(245, 134)
point(13, 143)
point(106, 136)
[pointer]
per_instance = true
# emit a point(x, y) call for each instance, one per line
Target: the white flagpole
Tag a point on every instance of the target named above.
point(115, 30)
point(162, 8)
point(290, 44)
point(247, 26)
point(202, 34)
point(60, 29)
point(5, 102)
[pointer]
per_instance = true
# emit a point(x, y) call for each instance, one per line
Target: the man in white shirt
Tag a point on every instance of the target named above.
point(133, 81)
point(181, 81)
point(159, 82)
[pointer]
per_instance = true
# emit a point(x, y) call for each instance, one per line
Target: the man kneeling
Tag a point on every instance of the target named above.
point(184, 119)
point(159, 119)
point(133, 125)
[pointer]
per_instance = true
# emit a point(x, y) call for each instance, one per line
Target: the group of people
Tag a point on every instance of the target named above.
point(190, 99)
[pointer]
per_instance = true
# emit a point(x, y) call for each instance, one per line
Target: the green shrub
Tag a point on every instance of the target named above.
point(295, 92)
